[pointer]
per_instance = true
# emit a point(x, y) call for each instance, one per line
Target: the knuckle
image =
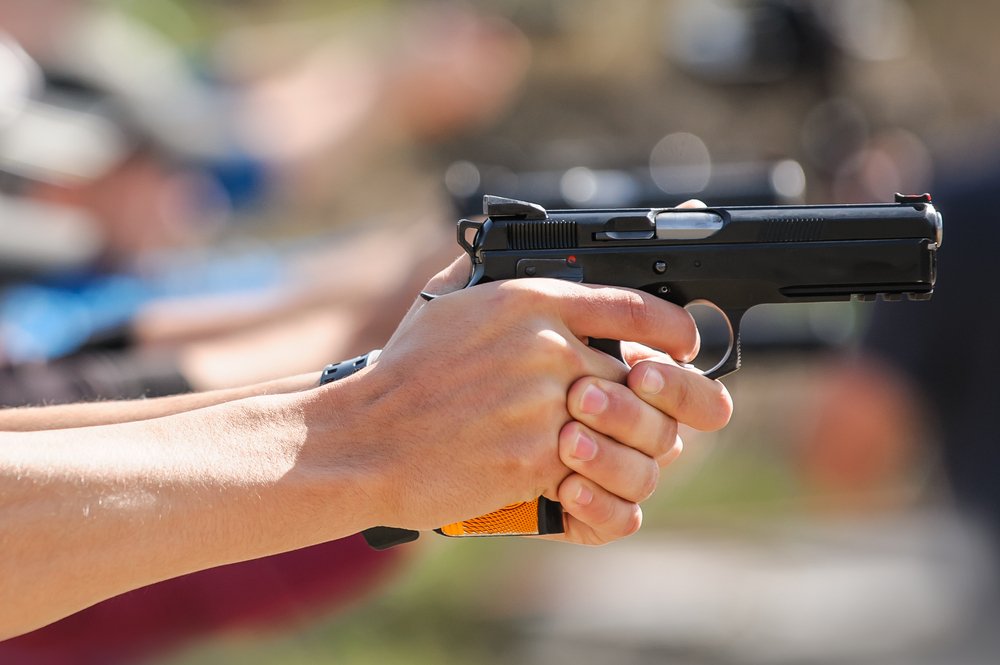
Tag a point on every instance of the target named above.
point(680, 393)
point(520, 295)
point(626, 521)
point(520, 458)
point(543, 458)
point(531, 429)
point(724, 405)
point(636, 310)
point(542, 469)
point(678, 446)
point(715, 406)
point(602, 512)
point(564, 356)
point(622, 402)
point(634, 521)
point(667, 437)
point(673, 452)
point(650, 478)
point(539, 402)
point(637, 382)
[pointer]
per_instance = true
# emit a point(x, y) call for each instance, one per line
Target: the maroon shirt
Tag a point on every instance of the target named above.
point(264, 593)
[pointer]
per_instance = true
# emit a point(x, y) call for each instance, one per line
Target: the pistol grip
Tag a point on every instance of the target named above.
point(384, 537)
point(612, 347)
point(538, 517)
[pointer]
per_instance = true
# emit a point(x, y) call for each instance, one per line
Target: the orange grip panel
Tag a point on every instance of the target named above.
point(527, 518)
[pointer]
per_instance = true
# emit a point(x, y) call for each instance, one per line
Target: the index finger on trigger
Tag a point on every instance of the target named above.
point(686, 395)
point(627, 314)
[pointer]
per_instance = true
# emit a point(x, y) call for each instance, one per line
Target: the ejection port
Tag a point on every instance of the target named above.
point(687, 224)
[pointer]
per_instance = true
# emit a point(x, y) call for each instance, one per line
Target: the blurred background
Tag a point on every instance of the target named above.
point(196, 195)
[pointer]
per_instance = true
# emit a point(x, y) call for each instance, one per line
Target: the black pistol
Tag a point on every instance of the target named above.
point(729, 257)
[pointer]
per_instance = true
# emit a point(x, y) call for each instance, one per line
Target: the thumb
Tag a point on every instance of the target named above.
point(452, 278)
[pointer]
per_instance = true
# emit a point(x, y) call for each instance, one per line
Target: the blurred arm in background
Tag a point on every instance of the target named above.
point(163, 146)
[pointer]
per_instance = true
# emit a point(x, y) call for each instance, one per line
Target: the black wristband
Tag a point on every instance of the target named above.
point(343, 369)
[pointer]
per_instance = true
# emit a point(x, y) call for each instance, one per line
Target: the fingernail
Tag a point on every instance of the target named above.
point(586, 448)
point(594, 400)
point(652, 381)
point(584, 496)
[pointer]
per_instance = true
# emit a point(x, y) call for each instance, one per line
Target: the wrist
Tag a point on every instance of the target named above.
point(341, 466)
point(285, 478)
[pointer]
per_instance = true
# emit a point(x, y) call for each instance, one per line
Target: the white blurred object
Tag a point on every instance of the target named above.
point(680, 162)
point(729, 42)
point(20, 78)
point(871, 29)
point(149, 76)
point(41, 140)
point(60, 144)
point(765, 41)
point(789, 180)
point(41, 237)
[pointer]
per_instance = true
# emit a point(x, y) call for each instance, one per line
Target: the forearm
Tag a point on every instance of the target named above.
point(65, 416)
point(112, 508)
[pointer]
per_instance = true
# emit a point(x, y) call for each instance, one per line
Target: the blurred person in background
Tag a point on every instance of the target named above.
point(116, 130)
point(166, 158)
point(922, 380)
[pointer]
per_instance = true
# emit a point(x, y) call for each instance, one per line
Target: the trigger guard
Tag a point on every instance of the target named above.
point(732, 358)
point(729, 364)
